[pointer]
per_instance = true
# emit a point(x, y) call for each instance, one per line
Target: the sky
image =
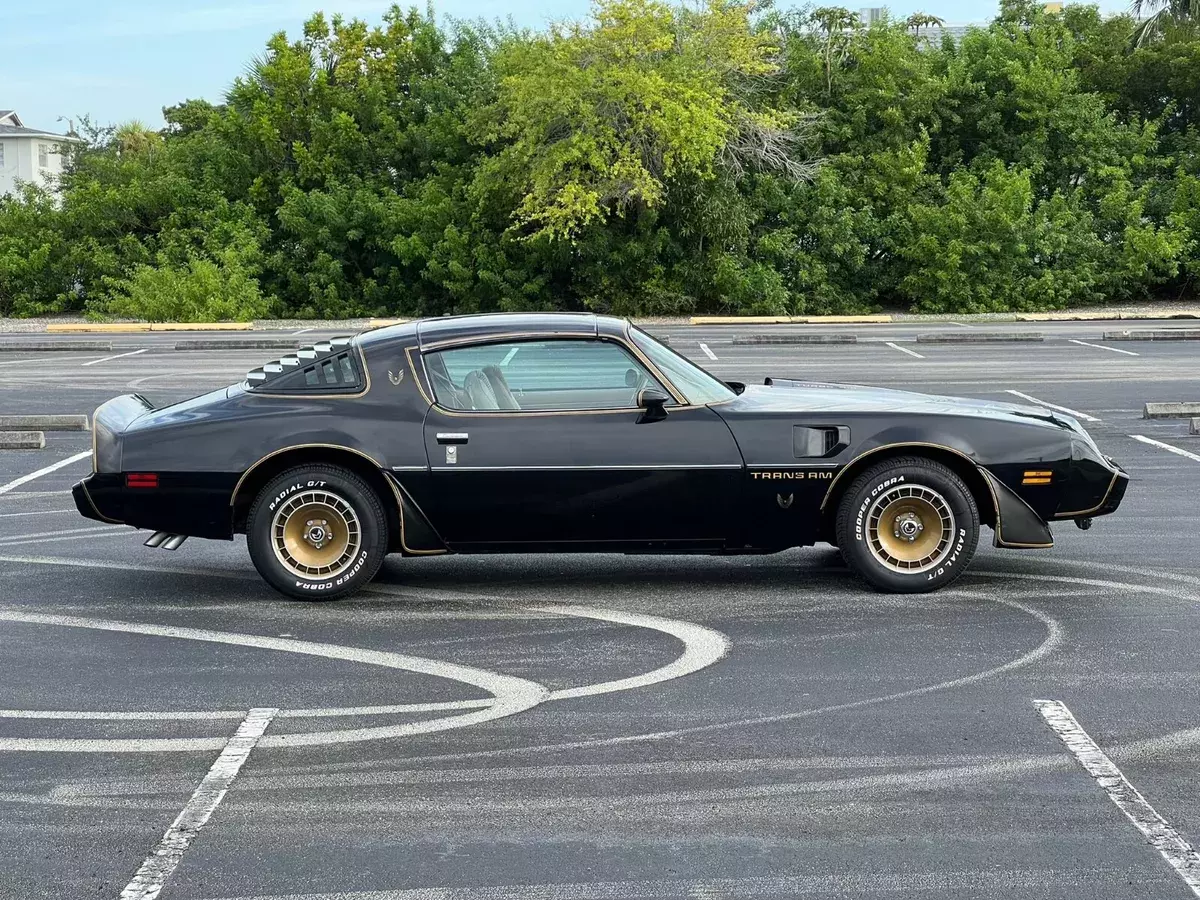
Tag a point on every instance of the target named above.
point(117, 60)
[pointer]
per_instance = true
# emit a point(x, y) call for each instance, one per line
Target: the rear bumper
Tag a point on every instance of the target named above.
point(195, 504)
point(98, 497)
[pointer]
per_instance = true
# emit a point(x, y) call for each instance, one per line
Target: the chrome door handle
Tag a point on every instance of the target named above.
point(452, 437)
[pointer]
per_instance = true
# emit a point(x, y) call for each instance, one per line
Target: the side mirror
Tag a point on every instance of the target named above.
point(653, 402)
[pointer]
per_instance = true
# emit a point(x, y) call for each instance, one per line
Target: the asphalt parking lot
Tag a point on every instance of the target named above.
point(612, 727)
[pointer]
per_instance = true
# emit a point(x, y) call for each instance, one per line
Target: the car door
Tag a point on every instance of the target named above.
point(540, 444)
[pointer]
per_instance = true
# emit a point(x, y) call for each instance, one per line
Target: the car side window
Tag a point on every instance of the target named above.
point(561, 374)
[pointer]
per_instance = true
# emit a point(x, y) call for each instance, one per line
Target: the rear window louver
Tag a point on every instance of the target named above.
point(326, 367)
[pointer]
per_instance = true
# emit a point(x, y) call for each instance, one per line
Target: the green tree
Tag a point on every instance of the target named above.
point(1162, 14)
point(599, 118)
point(657, 158)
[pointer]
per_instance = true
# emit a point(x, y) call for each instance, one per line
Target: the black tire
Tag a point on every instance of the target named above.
point(916, 495)
point(317, 532)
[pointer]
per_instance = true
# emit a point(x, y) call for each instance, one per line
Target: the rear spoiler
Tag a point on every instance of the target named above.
point(108, 422)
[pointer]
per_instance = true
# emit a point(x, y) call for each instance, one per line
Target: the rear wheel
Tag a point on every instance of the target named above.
point(908, 526)
point(317, 532)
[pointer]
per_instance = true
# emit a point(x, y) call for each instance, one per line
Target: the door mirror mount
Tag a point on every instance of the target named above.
point(653, 403)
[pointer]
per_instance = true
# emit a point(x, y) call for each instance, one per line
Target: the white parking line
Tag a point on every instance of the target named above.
point(21, 362)
point(993, 882)
point(1052, 642)
point(707, 352)
point(1102, 347)
point(148, 883)
point(511, 694)
point(1157, 831)
point(962, 324)
point(5, 538)
point(701, 648)
point(904, 350)
point(114, 532)
point(24, 479)
point(40, 512)
point(1168, 447)
point(1066, 409)
point(93, 536)
point(118, 356)
point(201, 715)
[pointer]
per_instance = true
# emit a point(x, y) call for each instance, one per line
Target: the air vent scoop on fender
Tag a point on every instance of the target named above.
point(819, 441)
point(325, 367)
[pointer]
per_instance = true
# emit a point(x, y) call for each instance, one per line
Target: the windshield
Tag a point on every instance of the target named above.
point(692, 381)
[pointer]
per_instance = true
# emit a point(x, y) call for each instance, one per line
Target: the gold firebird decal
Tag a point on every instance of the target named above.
point(774, 475)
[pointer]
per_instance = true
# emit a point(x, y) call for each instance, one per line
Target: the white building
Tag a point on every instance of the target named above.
point(27, 154)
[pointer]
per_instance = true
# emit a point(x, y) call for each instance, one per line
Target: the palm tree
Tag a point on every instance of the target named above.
point(135, 137)
point(919, 20)
point(1158, 15)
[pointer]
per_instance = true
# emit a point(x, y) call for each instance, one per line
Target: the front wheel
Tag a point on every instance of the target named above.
point(317, 532)
point(908, 526)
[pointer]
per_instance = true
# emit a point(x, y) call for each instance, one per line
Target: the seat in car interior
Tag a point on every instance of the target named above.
point(504, 396)
point(479, 389)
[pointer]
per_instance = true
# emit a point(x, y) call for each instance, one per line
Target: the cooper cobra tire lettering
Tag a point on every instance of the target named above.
point(350, 490)
point(855, 539)
point(858, 519)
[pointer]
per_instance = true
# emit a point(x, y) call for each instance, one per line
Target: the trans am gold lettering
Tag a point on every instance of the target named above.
point(791, 476)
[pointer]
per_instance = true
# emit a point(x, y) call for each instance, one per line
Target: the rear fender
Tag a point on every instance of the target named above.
point(108, 422)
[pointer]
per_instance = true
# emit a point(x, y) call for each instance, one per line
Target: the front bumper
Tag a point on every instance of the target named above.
point(1095, 489)
point(1116, 490)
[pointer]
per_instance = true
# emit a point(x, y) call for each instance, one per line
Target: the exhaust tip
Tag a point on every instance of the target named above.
point(157, 538)
point(174, 542)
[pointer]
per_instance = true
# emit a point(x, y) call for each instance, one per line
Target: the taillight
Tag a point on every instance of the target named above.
point(141, 480)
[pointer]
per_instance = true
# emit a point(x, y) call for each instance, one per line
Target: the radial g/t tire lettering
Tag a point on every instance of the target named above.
point(908, 526)
point(317, 532)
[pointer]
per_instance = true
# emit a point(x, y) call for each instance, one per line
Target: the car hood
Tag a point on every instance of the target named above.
point(785, 395)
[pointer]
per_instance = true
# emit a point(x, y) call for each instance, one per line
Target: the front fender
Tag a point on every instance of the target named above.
point(1018, 527)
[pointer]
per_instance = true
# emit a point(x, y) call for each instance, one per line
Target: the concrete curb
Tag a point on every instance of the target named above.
point(99, 328)
point(842, 320)
point(139, 327)
point(980, 337)
point(22, 440)
point(44, 423)
point(1183, 334)
point(383, 323)
point(202, 326)
point(1105, 317)
point(251, 344)
point(740, 320)
point(1170, 410)
point(790, 320)
point(745, 339)
point(82, 346)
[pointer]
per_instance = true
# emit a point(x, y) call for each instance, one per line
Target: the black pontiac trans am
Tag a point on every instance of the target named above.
point(579, 433)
